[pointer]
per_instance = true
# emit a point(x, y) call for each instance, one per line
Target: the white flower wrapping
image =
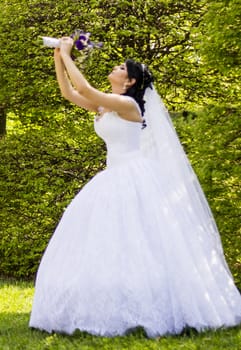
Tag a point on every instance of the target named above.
point(50, 42)
point(81, 42)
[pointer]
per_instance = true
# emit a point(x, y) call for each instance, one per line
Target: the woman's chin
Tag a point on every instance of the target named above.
point(110, 77)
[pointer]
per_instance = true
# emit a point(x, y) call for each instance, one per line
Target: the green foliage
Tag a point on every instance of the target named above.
point(193, 49)
point(16, 300)
point(193, 53)
point(217, 40)
point(155, 32)
point(41, 170)
point(221, 25)
point(212, 140)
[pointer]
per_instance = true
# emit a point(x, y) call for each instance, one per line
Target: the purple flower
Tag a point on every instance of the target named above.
point(79, 44)
point(83, 37)
point(82, 40)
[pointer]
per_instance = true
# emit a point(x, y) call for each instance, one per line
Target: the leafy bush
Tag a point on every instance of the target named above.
point(212, 141)
point(41, 170)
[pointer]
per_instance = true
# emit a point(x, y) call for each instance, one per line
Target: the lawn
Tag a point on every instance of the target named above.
point(15, 306)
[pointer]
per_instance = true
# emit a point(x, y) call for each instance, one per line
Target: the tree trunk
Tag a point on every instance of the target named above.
point(3, 121)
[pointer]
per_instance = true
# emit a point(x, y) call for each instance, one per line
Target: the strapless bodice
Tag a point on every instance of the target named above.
point(122, 137)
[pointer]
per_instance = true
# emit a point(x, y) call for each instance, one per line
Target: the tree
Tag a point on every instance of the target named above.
point(2, 121)
point(218, 43)
point(212, 141)
point(45, 161)
point(157, 33)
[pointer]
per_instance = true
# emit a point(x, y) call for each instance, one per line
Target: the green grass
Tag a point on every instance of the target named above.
point(15, 306)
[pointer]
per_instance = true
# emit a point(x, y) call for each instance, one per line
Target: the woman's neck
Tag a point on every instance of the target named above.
point(116, 89)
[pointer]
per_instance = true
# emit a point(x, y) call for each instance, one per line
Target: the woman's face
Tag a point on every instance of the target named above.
point(119, 74)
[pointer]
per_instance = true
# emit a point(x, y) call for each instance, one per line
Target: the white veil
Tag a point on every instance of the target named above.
point(160, 141)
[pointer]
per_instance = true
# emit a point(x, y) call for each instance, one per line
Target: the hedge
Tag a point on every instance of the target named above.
point(43, 168)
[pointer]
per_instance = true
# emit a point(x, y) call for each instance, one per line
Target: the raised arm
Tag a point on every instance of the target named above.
point(66, 88)
point(114, 102)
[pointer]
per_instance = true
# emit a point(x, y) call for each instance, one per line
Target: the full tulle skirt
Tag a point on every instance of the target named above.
point(132, 249)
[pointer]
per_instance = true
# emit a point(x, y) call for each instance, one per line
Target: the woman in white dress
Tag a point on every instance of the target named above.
point(138, 245)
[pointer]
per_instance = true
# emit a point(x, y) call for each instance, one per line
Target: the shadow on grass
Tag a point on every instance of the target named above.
point(17, 325)
point(16, 334)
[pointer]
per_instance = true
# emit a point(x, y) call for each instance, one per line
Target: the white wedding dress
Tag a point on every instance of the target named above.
point(131, 250)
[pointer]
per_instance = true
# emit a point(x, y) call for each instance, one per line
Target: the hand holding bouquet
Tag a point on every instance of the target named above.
point(81, 42)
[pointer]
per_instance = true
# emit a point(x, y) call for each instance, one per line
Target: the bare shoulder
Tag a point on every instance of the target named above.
point(133, 112)
point(125, 106)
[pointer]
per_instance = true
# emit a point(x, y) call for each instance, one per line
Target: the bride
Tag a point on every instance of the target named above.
point(138, 245)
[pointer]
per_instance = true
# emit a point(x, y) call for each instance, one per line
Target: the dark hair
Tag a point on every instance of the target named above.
point(143, 78)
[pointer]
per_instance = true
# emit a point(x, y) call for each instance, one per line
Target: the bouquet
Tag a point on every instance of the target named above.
point(81, 42)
